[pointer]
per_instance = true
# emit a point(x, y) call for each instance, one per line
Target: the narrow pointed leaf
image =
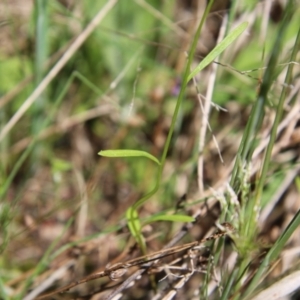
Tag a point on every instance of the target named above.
point(171, 218)
point(128, 153)
point(219, 49)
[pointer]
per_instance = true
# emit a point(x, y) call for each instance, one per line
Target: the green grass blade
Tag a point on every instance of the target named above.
point(248, 141)
point(41, 42)
point(273, 254)
point(229, 284)
point(219, 49)
point(297, 182)
point(41, 50)
point(256, 118)
point(135, 227)
point(171, 218)
point(128, 153)
point(280, 106)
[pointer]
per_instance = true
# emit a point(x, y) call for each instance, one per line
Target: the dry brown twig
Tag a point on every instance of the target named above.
point(117, 270)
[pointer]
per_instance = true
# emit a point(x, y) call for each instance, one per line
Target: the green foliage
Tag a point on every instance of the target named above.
point(118, 65)
point(132, 214)
point(13, 70)
point(172, 218)
point(128, 153)
point(273, 254)
point(219, 49)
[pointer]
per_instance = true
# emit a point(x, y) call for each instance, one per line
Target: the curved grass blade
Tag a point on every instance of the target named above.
point(171, 218)
point(219, 49)
point(128, 153)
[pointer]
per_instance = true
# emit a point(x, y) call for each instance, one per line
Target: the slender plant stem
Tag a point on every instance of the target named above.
point(140, 202)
